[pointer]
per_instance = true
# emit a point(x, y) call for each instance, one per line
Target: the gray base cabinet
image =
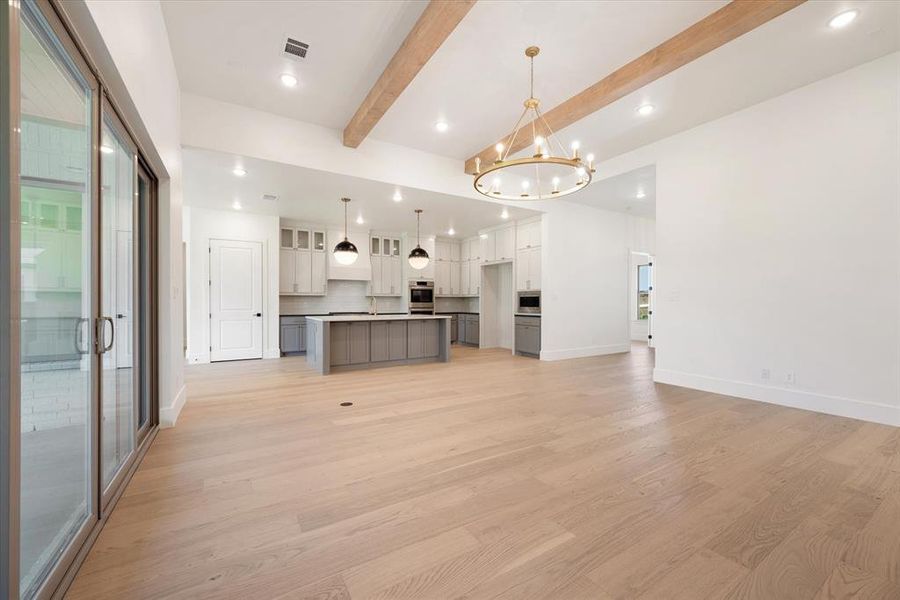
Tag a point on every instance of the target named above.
point(375, 342)
point(388, 341)
point(423, 339)
point(473, 328)
point(528, 336)
point(349, 343)
point(293, 335)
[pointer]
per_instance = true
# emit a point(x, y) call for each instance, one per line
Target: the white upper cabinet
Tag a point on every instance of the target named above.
point(488, 245)
point(455, 250)
point(474, 248)
point(301, 266)
point(528, 269)
point(442, 279)
point(505, 244)
point(387, 268)
point(287, 261)
point(441, 250)
point(528, 235)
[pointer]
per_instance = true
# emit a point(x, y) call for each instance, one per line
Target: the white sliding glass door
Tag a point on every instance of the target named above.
point(57, 364)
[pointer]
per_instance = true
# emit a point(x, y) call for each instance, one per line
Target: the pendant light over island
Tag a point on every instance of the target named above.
point(345, 252)
point(418, 258)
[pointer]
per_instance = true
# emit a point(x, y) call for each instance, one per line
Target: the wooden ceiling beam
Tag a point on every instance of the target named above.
point(729, 22)
point(435, 25)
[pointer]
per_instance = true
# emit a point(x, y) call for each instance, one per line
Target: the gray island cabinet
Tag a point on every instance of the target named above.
point(336, 342)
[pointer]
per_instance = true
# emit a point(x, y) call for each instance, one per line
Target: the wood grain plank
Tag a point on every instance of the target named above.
point(555, 473)
point(848, 582)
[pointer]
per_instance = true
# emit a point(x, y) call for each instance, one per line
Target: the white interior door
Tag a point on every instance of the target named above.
point(235, 300)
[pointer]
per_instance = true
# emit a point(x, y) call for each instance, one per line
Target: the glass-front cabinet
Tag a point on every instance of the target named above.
point(81, 380)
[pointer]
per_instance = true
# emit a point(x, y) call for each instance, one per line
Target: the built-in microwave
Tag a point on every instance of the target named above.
point(529, 303)
point(421, 297)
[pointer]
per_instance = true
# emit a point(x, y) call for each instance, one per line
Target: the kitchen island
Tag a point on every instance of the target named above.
point(347, 342)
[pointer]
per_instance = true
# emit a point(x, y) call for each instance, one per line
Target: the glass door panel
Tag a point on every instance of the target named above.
point(57, 363)
point(116, 331)
point(144, 321)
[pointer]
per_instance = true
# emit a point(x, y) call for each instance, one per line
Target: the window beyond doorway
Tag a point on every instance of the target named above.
point(643, 292)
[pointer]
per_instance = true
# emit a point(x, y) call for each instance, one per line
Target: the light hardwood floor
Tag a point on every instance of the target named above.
point(499, 477)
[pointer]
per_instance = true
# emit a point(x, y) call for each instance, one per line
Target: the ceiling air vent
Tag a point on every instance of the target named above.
point(295, 49)
point(270, 197)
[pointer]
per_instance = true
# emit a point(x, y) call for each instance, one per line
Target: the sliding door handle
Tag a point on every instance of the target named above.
point(101, 334)
point(79, 336)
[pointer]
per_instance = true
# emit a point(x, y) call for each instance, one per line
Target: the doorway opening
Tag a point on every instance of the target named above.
point(497, 306)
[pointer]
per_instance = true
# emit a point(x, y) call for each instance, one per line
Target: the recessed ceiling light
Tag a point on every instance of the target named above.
point(398, 197)
point(239, 171)
point(236, 205)
point(359, 220)
point(843, 19)
point(504, 214)
point(645, 109)
point(640, 194)
point(106, 149)
point(441, 126)
point(451, 231)
point(288, 80)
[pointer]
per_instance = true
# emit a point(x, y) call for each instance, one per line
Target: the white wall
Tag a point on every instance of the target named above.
point(204, 225)
point(778, 248)
point(216, 125)
point(128, 40)
point(584, 280)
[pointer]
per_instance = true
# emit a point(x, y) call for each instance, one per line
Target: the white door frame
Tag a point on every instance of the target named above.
point(252, 314)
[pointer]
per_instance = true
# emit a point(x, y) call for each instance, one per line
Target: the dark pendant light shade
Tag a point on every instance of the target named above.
point(418, 257)
point(345, 251)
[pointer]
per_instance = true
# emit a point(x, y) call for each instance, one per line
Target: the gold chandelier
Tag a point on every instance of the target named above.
point(543, 175)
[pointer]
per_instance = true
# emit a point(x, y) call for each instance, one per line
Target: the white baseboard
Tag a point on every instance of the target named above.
point(272, 353)
point(885, 414)
point(169, 414)
point(584, 351)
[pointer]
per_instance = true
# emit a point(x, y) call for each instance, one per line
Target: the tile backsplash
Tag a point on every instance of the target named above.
point(350, 296)
point(341, 296)
point(456, 305)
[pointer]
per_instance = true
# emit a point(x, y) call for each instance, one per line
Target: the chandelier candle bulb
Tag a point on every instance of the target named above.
point(499, 149)
point(590, 160)
point(556, 185)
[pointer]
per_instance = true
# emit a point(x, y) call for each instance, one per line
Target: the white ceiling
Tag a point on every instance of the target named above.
point(477, 80)
point(313, 196)
point(620, 193)
point(793, 50)
point(232, 51)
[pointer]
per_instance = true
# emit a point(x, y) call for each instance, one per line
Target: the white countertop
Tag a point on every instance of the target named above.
point(333, 318)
